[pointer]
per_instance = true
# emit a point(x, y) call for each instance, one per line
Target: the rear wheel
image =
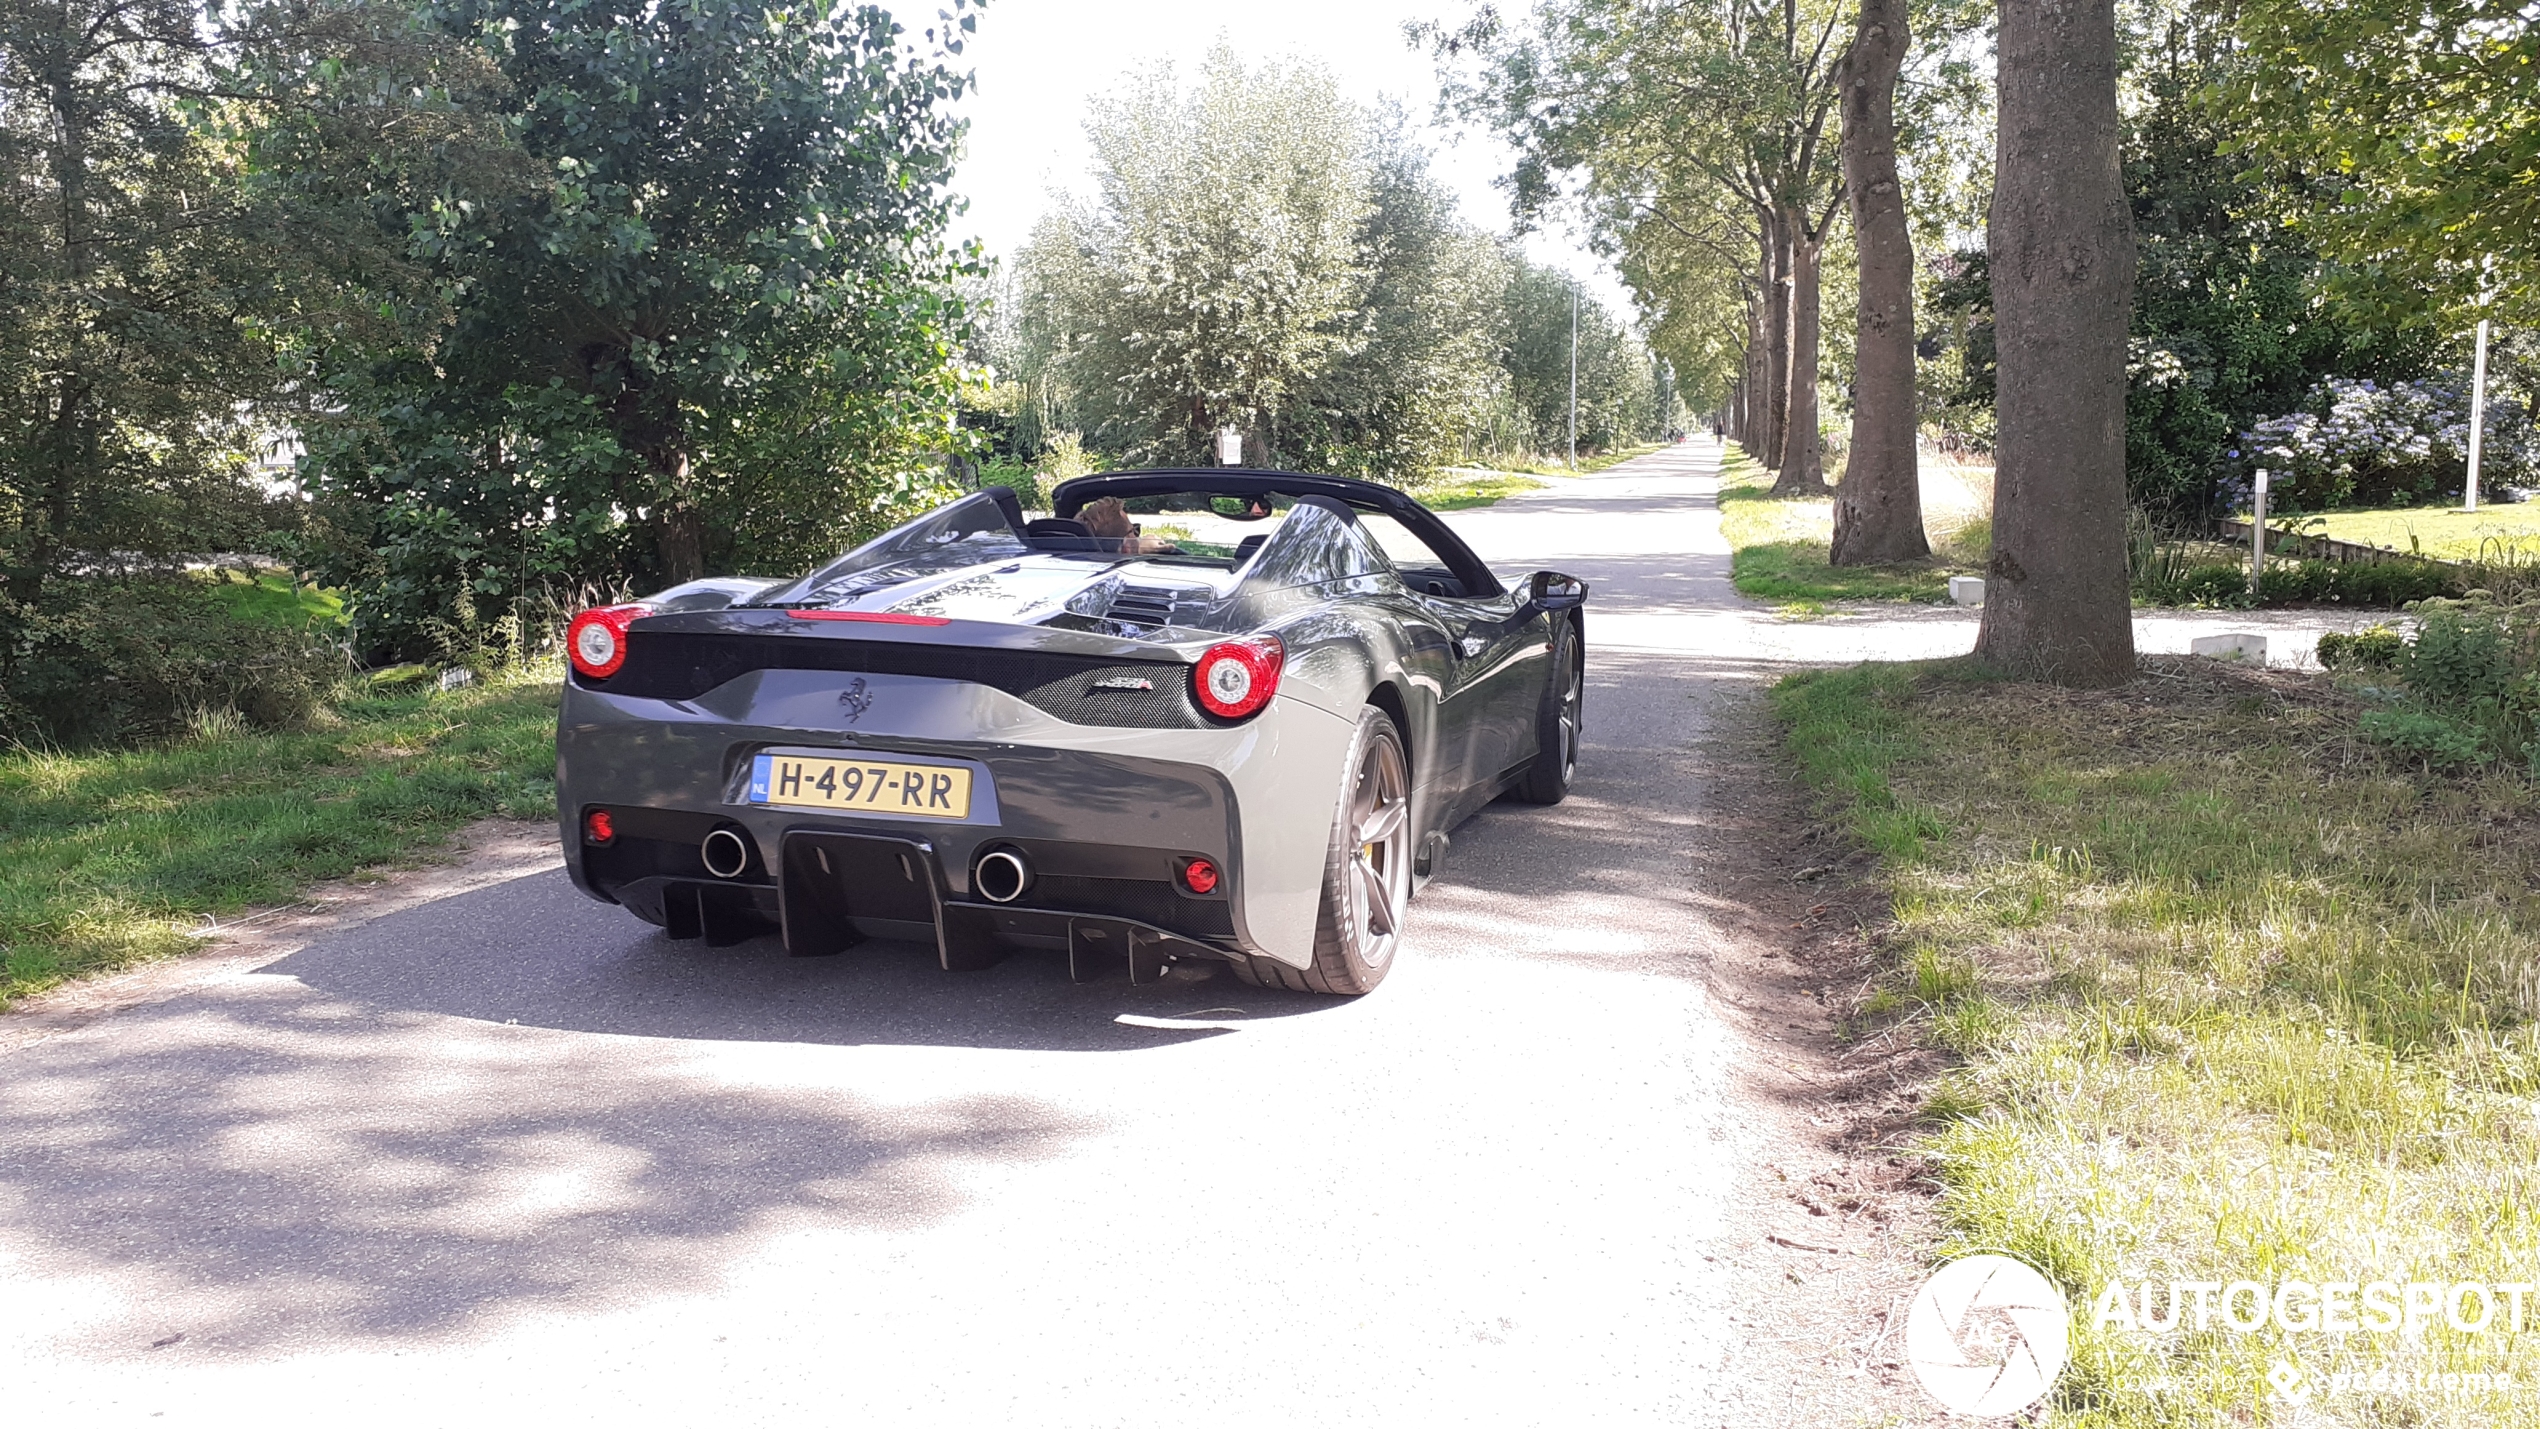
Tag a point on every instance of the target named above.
point(1366, 874)
point(1557, 722)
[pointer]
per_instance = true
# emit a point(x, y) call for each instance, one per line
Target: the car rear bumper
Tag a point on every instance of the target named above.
point(1106, 818)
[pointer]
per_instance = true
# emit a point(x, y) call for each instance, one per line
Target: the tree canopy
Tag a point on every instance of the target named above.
point(719, 330)
point(1262, 254)
point(2417, 129)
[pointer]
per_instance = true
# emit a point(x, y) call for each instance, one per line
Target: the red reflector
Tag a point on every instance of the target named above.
point(1200, 876)
point(598, 827)
point(869, 617)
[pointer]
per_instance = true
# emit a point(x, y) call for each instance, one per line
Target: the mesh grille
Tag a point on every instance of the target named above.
point(1138, 898)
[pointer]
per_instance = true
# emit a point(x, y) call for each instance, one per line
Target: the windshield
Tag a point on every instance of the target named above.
point(1179, 528)
point(969, 532)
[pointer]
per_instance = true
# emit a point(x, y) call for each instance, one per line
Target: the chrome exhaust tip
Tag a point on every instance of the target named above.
point(726, 853)
point(1002, 876)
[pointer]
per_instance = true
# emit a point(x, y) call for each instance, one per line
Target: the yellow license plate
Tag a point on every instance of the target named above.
point(878, 786)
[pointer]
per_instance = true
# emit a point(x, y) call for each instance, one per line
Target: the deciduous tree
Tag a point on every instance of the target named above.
point(1878, 510)
point(724, 333)
point(2421, 123)
point(2061, 246)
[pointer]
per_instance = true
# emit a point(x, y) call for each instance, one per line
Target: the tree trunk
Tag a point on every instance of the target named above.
point(1878, 510)
point(1803, 453)
point(2061, 240)
point(679, 537)
point(69, 446)
point(1776, 355)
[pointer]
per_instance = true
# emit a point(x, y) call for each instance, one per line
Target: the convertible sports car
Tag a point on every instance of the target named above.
point(1217, 714)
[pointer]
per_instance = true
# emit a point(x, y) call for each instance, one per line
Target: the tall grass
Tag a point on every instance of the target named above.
point(2234, 996)
point(111, 858)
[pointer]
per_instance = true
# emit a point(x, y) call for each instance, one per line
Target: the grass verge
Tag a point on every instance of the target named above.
point(1778, 548)
point(2234, 997)
point(2489, 534)
point(1465, 488)
point(1593, 461)
point(107, 859)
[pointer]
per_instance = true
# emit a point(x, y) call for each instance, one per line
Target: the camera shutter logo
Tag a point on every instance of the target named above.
point(1987, 1335)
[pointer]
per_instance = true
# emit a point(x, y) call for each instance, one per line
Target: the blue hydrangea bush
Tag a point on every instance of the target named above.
point(2357, 443)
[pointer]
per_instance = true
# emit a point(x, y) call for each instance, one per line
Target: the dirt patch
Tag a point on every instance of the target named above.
point(487, 852)
point(1839, 1224)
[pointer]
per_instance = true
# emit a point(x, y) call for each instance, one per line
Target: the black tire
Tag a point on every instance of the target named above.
point(1366, 873)
point(1557, 722)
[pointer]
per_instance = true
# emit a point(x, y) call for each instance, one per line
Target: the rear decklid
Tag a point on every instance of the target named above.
point(1077, 676)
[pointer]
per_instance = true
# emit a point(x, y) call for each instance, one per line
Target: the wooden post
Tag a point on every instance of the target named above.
point(2258, 533)
point(2477, 411)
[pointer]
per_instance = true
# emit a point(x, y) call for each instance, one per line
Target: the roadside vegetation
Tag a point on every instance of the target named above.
point(1778, 548)
point(1468, 488)
point(2235, 985)
point(113, 857)
point(2489, 534)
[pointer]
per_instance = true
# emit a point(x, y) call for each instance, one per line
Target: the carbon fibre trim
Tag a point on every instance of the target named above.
point(681, 665)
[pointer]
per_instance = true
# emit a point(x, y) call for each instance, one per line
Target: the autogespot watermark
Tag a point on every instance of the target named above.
point(1987, 1335)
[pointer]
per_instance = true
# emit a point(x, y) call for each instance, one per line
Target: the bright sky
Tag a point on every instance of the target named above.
point(1038, 61)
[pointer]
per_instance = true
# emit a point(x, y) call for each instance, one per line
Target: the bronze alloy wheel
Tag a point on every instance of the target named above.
point(1573, 682)
point(1380, 856)
point(1366, 874)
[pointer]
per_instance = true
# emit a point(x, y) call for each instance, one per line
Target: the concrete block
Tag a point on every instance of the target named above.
point(1967, 590)
point(2252, 648)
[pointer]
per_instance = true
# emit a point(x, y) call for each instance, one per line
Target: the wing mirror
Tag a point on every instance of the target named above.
point(1553, 591)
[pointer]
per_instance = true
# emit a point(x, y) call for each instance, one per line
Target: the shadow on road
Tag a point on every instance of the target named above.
point(272, 1168)
point(536, 952)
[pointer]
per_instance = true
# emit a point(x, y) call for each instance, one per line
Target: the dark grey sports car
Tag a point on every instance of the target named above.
point(1219, 714)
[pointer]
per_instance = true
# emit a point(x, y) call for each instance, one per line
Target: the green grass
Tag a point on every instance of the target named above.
point(1778, 549)
point(2230, 995)
point(109, 859)
point(1465, 488)
point(2488, 534)
point(1589, 462)
point(272, 598)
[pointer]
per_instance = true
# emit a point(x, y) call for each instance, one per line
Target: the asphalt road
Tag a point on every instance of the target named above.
point(513, 1156)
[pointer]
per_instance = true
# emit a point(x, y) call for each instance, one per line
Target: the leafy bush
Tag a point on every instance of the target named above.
point(105, 661)
point(2377, 647)
point(2384, 584)
point(2472, 672)
point(1017, 478)
point(2362, 443)
point(2390, 584)
point(2440, 742)
point(2464, 652)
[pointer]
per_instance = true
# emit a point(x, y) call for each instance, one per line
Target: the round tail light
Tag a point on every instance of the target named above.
point(1200, 876)
point(1235, 679)
point(597, 638)
point(599, 828)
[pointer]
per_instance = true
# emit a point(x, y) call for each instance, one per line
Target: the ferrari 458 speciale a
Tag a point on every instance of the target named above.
point(1221, 714)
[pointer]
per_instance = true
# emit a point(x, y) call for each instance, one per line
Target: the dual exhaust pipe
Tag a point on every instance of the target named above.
point(1001, 875)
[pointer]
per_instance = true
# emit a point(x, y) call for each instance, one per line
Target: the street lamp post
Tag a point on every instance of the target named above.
point(1574, 376)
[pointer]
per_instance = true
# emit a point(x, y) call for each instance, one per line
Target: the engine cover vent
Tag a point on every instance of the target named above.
point(1152, 605)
